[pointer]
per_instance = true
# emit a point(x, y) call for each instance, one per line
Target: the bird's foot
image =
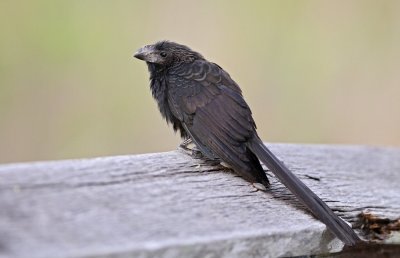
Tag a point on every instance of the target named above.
point(259, 186)
point(190, 148)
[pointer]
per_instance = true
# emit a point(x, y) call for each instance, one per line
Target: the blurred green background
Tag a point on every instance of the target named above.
point(312, 71)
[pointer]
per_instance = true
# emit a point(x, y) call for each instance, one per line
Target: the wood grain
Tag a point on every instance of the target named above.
point(171, 205)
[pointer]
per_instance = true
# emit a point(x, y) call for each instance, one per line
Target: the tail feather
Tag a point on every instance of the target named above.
point(303, 193)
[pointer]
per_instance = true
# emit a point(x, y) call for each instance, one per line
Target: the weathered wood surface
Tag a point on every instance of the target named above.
point(170, 205)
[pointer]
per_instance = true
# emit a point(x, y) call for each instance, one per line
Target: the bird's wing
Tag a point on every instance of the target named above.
point(211, 107)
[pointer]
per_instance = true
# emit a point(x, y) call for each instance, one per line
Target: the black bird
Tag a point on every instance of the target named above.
point(204, 104)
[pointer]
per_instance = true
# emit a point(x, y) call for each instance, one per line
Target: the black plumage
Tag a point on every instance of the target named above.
point(203, 103)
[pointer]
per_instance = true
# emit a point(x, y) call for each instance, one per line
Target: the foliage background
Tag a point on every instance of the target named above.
point(312, 71)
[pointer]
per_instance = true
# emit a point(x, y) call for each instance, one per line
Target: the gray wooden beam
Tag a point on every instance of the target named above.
point(171, 205)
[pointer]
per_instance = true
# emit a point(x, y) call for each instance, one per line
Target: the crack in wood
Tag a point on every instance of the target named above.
point(134, 204)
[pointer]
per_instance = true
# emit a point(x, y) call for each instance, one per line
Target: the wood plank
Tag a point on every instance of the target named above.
point(171, 205)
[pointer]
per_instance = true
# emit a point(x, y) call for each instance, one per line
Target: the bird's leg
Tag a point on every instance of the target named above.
point(185, 144)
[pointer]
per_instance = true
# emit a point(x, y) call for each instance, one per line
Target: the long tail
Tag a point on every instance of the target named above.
point(303, 193)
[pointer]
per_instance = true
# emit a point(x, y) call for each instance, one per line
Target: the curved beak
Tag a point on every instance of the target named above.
point(145, 53)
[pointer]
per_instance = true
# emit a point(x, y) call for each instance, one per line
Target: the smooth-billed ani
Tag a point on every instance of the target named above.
point(204, 104)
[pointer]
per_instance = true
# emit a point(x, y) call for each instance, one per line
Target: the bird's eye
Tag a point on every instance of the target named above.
point(163, 54)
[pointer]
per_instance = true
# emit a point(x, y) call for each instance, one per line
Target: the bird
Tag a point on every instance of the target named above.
point(206, 106)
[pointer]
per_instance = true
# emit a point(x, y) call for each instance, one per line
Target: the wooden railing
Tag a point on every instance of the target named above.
point(172, 205)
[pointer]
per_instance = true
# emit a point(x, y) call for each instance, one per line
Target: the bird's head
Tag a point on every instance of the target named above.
point(167, 53)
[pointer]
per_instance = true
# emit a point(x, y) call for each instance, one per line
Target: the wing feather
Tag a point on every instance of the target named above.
point(211, 107)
